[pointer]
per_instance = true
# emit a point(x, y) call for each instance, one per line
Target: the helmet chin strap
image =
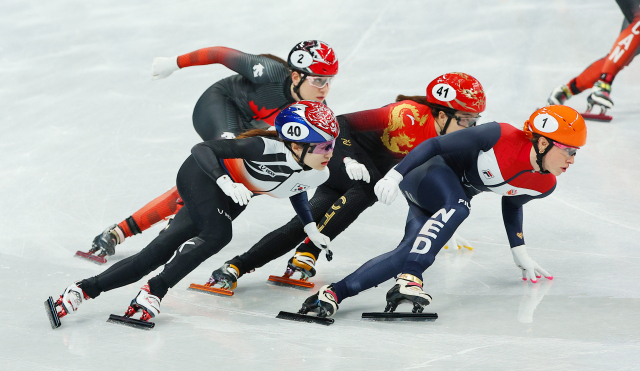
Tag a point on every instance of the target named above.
point(540, 155)
point(305, 148)
point(296, 87)
point(443, 130)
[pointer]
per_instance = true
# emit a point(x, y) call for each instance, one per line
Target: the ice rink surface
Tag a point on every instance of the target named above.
point(88, 138)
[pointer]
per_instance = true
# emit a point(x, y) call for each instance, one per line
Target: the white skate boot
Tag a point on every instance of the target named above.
point(70, 300)
point(408, 287)
point(146, 302)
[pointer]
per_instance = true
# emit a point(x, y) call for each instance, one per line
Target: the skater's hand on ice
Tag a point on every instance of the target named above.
point(318, 239)
point(387, 188)
point(163, 67)
point(530, 269)
point(237, 191)
point(457, 241)
point(356, 170)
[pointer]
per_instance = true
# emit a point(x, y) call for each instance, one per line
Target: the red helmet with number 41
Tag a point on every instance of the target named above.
point(457, 91)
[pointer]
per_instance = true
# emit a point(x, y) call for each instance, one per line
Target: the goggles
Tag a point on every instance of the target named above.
point(467, 121)
point(569, 150)
point(322, 148)
point(319, 81)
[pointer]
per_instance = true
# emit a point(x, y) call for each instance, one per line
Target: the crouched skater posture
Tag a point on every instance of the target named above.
point(248, 100)
point(216, 183)
point(519, 165)
point(379, 139)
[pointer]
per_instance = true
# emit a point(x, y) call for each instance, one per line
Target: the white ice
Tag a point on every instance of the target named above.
point(88, 138)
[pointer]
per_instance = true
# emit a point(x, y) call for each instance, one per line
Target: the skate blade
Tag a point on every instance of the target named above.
point(93, 258)
point(288, 282)
point(210, 290)
point(399, 316)
point(135, 323)
point(304, 318)
point(52, 313)
point(596, 117)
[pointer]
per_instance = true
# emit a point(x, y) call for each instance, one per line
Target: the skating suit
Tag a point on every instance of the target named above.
point(440, 177)
point(377, 138)
point(251, 99)
point(203, 226)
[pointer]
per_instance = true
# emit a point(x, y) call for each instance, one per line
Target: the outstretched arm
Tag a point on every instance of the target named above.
point(255, 68)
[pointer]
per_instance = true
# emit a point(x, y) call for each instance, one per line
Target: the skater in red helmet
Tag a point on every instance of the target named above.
point(380, 138)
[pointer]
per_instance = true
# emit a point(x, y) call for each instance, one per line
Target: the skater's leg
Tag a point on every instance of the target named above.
point(159, 209)
point(385, 266)
point(133, 268)
point(209, 210)
point(433, 218)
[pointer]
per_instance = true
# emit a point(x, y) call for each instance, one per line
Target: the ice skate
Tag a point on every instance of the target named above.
point(68, 303)
point(559, 95)
point(407, 288)
point(226, 276)
point(324, 303)
point(303, 262)
point(146, 303)
point(103, 244)
point(600, 97)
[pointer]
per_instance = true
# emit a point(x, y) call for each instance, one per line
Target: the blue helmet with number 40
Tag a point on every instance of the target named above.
point(307, 122)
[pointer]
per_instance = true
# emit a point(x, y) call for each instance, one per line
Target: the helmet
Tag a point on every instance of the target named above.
point(457, 91)
point(307, 122)
point(313, 57)
point(559, 123)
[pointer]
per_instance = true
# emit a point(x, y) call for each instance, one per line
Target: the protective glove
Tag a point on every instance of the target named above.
point(318, 239)
point(237, 191)
point(163, 67)
point(356, 170)
point(459, 242)
point(530, 269)
point(387, 188)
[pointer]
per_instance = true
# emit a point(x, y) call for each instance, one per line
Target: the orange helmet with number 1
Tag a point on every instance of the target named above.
point(559, 123)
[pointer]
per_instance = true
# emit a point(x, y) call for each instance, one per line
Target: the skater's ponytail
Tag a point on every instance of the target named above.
point(259, 133)
point(420, 99)
point(277, 59)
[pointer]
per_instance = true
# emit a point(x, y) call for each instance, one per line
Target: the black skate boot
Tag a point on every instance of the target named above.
point(144, 302)
point(408, 287)
point(103, 244)
point(68, 303)
point(560, 95)
point(227, 276)
point(324, 302)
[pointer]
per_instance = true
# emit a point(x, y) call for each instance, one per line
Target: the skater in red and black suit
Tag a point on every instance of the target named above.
point(379, 139)
point(440, 177)
point(216, 183)
point(249, 100)
point(600, 74)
